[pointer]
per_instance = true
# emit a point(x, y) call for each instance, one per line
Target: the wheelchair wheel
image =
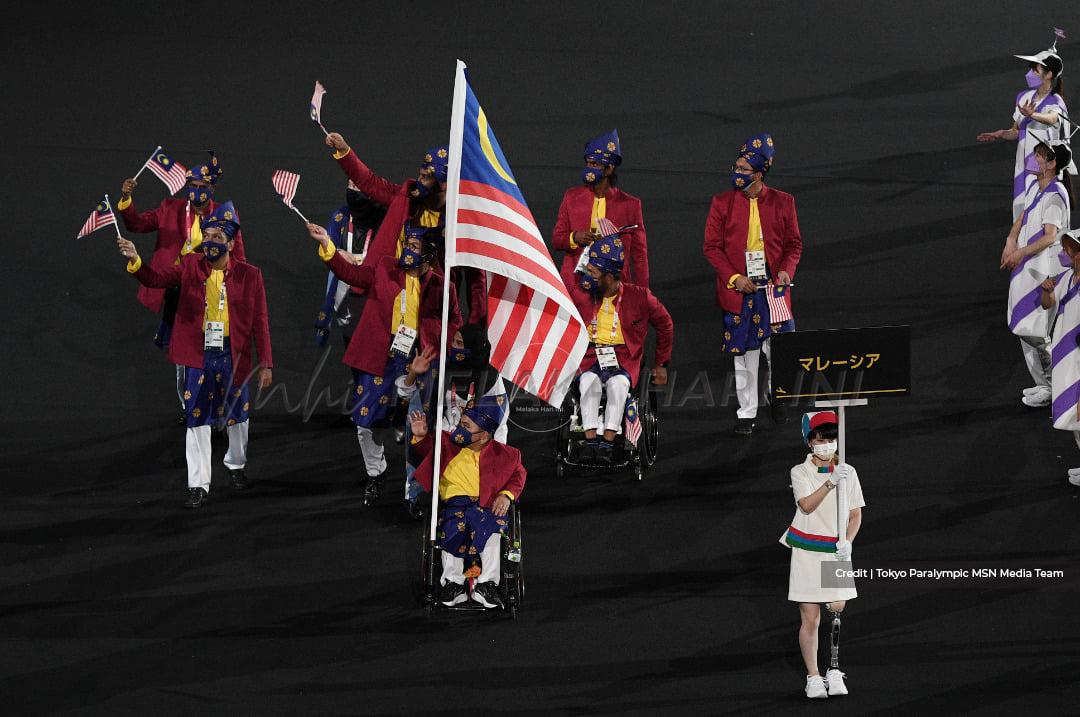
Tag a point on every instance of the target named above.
point(513, 577)
point(650, 425)
point(563, 436)
point(427, 566)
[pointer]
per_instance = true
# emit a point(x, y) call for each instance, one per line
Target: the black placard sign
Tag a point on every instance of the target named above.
point(837, 364)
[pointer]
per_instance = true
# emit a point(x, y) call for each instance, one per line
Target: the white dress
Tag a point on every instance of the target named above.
point(1026, 141)
point(1024, 314)
point(804, 580)
point(1065, 352)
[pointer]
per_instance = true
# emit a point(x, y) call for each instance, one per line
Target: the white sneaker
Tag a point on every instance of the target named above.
point(1032, 389)
point(815, 687)
point(835, 678)
point(1074, 478)
point(1038, 399)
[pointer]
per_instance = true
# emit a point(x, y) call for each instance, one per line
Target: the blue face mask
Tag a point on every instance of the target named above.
point(213, 250)
point(459, 355)
point(461, 436)
point(741, 181)
point(590, 285)
point(1031, 165)
point(410, 259)
point(199, 195)
point(592, 175)
point(1033, 79)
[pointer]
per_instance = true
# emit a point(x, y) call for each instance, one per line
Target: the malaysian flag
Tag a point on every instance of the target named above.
point(538, 337)
point(285, 184)
point(632, 422)
point(316, 104)
point(778, 308)
point(172, 173)
point(100, 217)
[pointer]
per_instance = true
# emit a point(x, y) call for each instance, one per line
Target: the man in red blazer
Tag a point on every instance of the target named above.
point(618, 316)
point(177, 223)
point(752, 240)
point(221, 310)
point(598, 197)
point(479, 479)
point(419, 201)
point(403, 309)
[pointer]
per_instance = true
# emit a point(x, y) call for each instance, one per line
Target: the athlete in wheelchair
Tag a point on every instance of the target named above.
point(478, 532)
point(619, 316)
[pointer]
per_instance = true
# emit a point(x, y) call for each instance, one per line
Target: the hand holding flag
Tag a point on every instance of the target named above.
point(316, 105)
point(285, 184)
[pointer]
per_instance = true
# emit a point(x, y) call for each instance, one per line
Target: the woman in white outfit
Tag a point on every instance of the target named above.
point(813, 540)
point(1040, 108)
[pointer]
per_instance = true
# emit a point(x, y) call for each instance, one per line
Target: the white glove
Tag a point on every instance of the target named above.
point(842, 472)
point(843, 550)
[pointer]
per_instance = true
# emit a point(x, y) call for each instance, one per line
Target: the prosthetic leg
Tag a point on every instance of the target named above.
point(834, 678)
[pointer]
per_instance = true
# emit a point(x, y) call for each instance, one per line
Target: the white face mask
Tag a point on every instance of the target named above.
point(824, 451)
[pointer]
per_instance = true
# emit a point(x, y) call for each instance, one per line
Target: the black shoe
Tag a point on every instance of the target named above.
point(744, 426)
point(371, 490)
point(779, 413)
point(239, 479)
point(416, 511)
point(605, 453)
point(452, 594)
point(487, 594)
point(195, 498)
point(182, 421)
point(587, 454)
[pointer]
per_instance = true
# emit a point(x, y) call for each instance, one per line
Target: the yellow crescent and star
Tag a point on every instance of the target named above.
point(488, 149)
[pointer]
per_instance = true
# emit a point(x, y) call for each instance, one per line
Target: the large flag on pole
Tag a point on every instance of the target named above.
point(538, 337)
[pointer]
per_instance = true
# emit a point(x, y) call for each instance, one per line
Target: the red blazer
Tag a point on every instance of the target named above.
point(247, 311)
point(637, 308)
point(172, 222)
point(500, 467)
point(725, 239)
point(370, 345)
point(623, 209)
point(399, 209)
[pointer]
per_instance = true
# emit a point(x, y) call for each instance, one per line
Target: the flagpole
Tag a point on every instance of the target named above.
point(298, 213)
point(453, 180)
point(147, 162)
point(113, 215)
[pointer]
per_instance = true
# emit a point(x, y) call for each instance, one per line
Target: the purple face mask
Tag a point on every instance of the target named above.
point(1033, 79)
point(1031, 165)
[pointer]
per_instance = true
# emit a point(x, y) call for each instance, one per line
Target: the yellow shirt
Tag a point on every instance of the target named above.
point(429, 219)
point(215, 297)
point(461, 475)
point(599, 210)
point(755, 241)
point(605, 317)
point(194, 238)
point(412, 305)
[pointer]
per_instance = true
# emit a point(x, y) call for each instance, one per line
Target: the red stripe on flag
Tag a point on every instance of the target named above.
point(486, 191)
point(479, 247)
point(559, 357)
point(502, 349)
point(539, 336)
point(497, 223)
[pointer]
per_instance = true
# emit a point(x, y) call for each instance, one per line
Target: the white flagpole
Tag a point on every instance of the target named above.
point(842, 510)
point(113, 215)
point(158, 149)
point(453, 180)
point(298, 213)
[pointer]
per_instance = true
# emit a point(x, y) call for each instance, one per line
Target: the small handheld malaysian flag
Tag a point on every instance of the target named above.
point(779, 311)
point(171, 173)
point(316, 106)
point(285, 184)
point(100, 217)
point(632, 422)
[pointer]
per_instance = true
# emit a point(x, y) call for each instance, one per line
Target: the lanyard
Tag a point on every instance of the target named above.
point(349, 236)
point(221, 295)
point(594, 326)
point(404, 306)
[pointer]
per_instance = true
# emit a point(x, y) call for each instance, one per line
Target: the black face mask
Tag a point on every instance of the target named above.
point(366, 212)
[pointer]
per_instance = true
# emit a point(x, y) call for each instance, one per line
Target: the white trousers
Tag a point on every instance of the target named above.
point(373, 452)
point(746, 380)
point(199, 452)
point(490, 564)
point(1037, 359)
point(617, 389)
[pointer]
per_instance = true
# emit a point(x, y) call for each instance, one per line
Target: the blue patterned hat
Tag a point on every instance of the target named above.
point(435, 161)
point(758, 151)
point(224, 218)
point(605, 149)
point(206, 172)
point(489, 411)
point(607, 254)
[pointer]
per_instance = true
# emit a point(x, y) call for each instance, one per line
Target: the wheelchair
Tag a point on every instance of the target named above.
point(512, 575)
point(570, 436)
